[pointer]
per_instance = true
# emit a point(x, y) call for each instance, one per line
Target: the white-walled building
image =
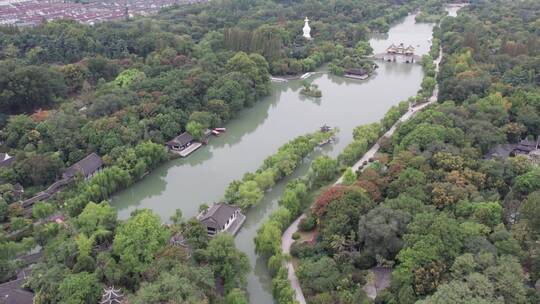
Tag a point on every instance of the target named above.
point(220, 217)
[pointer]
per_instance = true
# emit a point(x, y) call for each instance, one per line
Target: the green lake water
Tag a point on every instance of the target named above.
point(259, 131)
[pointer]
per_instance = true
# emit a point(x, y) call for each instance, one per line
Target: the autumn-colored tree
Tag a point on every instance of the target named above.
point(428, 278)
point(446, 194)
point(329, 195)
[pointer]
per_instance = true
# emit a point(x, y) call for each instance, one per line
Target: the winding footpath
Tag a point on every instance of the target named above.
point(286, 238)
point(286, 243)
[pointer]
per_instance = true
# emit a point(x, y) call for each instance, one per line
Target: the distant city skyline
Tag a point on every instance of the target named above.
point(34, 12)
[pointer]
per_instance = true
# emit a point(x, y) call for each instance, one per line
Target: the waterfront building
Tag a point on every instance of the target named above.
point(357, 73)
point(180, 142)
point(393, 52)
point(221, 217)
point(87, 167)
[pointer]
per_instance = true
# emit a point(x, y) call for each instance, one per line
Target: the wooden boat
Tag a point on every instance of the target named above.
point(325, 142)
point(278, 79)
point(306, 75)
point(353, 76)
point(216, 133)
point(221, 130)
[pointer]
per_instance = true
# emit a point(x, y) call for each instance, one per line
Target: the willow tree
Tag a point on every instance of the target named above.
point(268, 41)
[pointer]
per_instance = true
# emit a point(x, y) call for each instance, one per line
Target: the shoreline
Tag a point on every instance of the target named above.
point(287, 241)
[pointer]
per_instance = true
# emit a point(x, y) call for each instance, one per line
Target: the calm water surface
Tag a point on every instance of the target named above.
point(259, 131)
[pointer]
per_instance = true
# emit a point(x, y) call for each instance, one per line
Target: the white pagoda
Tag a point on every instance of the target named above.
point(307, 29)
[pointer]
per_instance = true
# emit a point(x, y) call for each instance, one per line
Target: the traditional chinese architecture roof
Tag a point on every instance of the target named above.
point(500, 151)
point(392, 48)
point(534, 156)
point(111, 296)
point(18, 187)
point(400, 49)
point(217, 215)
point(12, 293)
point(358, 71)
point(180, 140)
point(86, 166)
point(409, 50)
point(325, 128)
point(526, 145)
point(6, 159)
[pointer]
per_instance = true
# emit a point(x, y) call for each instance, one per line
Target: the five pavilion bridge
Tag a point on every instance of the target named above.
point(399, 53)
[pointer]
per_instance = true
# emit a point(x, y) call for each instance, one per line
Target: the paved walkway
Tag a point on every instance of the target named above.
point(286, 243)
point(380, 281)
point(286, 238)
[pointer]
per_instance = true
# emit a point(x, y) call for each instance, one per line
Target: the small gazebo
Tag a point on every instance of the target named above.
point(325, 128)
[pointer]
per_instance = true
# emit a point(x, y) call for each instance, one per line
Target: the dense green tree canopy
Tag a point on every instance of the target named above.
point(454, 221)
point(452, 216)
point(138, 240)
point(79, 288)
point(228, 263)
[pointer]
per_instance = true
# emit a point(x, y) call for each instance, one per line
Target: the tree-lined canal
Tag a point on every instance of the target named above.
point(259, 131)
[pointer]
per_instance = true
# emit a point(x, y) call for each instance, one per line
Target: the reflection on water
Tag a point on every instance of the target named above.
point(407, 32)
point(259, 131)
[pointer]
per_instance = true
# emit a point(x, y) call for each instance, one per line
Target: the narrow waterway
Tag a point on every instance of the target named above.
point(259, 131)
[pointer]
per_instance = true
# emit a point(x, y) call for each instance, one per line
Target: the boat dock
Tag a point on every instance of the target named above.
point(278, 79)
point(306, 75)
point(187, 151)
point(237, 224)
point(293, 77)
point(360, 77)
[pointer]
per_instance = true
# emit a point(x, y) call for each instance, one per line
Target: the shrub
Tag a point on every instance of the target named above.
point(308, 223)
point(364, 261)
point(304, 250)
